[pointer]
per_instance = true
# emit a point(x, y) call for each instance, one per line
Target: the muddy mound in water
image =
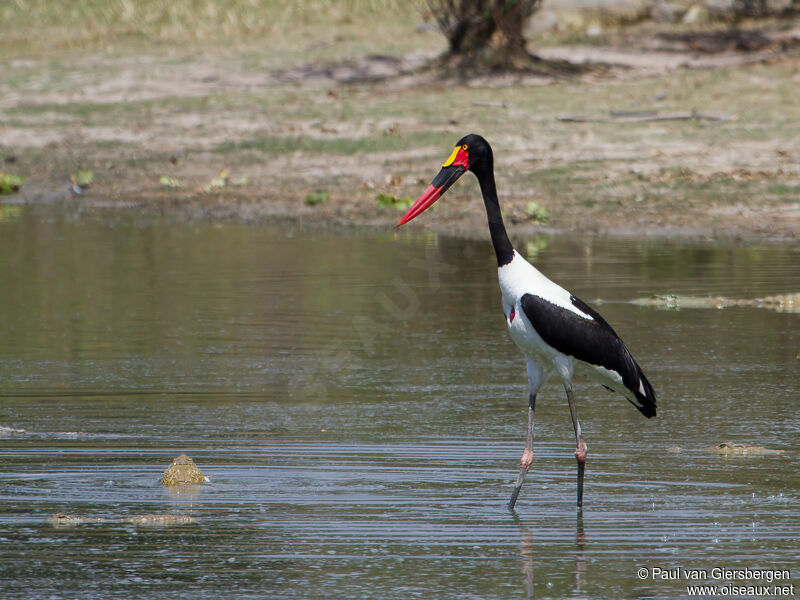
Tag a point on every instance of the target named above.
point(183, 471)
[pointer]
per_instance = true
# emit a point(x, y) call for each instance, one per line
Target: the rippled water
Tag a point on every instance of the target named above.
point(360, 411)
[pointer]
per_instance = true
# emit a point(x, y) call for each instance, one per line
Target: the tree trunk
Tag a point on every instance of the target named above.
point(751, 8)
point(485, 34)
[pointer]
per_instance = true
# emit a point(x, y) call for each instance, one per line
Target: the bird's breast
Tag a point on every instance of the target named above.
point(522, 332)
point(516, 279)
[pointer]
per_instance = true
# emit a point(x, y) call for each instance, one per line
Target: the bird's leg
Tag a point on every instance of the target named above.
point(580, 445)
point(527, 456)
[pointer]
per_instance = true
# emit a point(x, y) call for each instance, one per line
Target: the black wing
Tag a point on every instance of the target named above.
point(591, 340)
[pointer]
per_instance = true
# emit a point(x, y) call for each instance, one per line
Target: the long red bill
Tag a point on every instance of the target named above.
point(440, 184)
point(428, 197)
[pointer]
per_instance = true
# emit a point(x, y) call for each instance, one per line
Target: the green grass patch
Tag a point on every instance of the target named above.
point(536, 212)
point(790, 191)
point(113, 110)
point(318, 197)
point(389, 201)
point(10, 183)
point(76, 109)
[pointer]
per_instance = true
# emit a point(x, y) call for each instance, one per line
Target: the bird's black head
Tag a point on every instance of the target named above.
point(478, 150)
point(472, 153)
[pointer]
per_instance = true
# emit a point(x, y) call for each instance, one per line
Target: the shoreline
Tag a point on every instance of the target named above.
point(470, 225)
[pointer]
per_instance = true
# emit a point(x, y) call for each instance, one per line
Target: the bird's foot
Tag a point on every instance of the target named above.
point(527, 459)
point(580, 451)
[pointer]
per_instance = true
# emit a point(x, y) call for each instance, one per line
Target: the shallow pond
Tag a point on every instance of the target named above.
point(360, 411)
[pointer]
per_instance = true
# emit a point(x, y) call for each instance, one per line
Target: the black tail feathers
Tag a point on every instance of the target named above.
point(647, 400)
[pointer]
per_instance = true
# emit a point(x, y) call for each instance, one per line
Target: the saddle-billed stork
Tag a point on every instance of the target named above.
point(556, 331)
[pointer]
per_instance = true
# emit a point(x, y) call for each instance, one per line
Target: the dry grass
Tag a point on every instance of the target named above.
point(98, 23)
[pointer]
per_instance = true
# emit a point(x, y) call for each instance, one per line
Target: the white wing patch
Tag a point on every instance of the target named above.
point(606, 375)
point(610, 378)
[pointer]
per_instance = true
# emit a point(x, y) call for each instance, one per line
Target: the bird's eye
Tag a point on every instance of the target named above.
point(464, 147)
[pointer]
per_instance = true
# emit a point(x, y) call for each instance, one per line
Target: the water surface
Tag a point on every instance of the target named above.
point(360, 411)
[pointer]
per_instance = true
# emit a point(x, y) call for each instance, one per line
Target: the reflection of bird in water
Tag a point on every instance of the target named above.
point(580, 557)
point(526, 553)
point(557, 332)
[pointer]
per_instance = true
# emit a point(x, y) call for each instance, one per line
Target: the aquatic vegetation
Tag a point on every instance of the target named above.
point(786, 303)
point(151, 520)
point(6, 431)
point(64, 520)
point(160, 520)
point(732, 448)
